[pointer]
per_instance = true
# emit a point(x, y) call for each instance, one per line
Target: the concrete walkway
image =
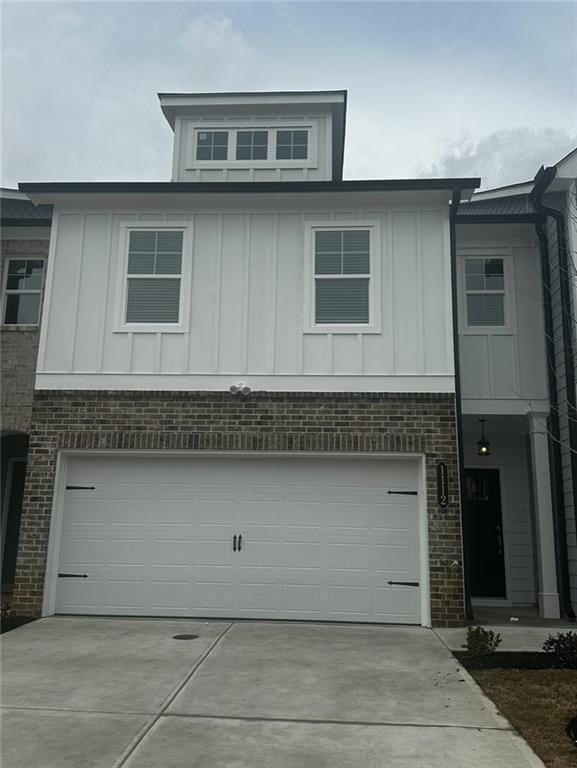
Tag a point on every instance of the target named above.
point(513, 637)
point(115, 693)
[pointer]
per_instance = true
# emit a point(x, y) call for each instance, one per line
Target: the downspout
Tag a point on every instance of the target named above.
point(454, 207)
point(542, 181)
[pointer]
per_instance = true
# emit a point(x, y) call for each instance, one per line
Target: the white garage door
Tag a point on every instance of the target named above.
point(287, 538)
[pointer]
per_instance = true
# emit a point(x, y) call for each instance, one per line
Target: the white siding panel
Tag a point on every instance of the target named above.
point(231, 358)
point(289, 287)
point(503, 367)
point(205, 293)
point(408, 297)
point(435, 268)
point(474, 362)
point(317, 353)
point(261, 292)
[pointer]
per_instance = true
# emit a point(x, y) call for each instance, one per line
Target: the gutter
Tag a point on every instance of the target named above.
point(453, 210)
point(542, 180)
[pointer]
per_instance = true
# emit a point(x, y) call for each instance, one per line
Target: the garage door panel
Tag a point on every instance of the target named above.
point(321, 537)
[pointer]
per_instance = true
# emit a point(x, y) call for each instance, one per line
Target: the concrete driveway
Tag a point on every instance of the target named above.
point(103, 693)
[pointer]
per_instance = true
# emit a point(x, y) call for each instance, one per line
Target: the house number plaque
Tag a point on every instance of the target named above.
point(442, 485)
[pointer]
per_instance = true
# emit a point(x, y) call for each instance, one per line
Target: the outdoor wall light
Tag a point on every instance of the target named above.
point(240, 387)
point(483, 444)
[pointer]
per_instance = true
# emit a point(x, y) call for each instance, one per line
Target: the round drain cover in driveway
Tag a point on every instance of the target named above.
point(184, 637)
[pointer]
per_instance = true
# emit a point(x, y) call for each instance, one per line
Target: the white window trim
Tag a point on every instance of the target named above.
point(375, 305)
point(121, 326)
point(9, 292)
point(193, 128)
point(508, 301)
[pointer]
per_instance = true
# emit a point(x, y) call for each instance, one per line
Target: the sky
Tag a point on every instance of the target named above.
point(435, 88)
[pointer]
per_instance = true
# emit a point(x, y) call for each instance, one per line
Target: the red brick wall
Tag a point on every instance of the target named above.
point(281, 421)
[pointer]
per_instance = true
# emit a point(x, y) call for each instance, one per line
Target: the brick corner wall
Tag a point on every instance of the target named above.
point(420, 423)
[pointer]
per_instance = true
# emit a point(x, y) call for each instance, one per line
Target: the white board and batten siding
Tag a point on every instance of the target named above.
point(159, 536)
point(246, 296)
point(503, 370)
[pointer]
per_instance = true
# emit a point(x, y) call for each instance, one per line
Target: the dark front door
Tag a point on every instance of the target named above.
point(484, 533)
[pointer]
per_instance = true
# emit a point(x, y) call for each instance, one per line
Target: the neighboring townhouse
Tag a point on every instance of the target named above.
point(517, 278)
point(25, 236)
point(246, 402)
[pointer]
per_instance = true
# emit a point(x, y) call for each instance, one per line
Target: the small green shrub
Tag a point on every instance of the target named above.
point(563, 648)
point(481, 642)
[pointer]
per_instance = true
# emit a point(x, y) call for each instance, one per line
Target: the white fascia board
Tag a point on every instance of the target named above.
point(12, 194)
point(225, 100)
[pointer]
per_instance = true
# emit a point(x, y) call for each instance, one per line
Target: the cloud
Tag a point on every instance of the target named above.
point(502, 157)
point(219, 56)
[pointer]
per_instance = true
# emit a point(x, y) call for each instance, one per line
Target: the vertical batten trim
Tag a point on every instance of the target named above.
point(360, 354)
point(275, 247)
point(105, 312)
point(330, 353)
point(130, 352)
point(78, 288)
point(300, 349)
point(218, 296)
point(420, 271)
point(246, 246)
point(158, 351)
point(391, 292)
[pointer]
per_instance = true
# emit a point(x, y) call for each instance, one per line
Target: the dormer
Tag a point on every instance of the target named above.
point(273, 136)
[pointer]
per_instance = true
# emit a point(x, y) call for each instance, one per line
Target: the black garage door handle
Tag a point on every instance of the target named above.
point(72, 575)
point(405, 583)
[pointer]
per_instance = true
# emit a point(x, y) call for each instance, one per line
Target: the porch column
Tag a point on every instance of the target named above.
point(540, 471)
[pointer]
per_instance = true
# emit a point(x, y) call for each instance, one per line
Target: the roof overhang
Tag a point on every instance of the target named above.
point(46, 192)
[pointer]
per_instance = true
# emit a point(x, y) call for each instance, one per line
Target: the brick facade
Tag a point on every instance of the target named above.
point(282, 421)
point(18, 351)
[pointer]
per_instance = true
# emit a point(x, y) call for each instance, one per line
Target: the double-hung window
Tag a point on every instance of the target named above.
point(485, 292)
point(292, 144)
point(154, 276)
point(343, 293)
point(23, 291)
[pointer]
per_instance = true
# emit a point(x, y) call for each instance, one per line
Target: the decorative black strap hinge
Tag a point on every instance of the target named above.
point(72, 575)
point(405, 583)
point(404, 493)
point(80, 487)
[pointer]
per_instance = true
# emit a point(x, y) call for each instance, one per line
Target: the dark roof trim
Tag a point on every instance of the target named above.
point(228, 94)
point(26, 223)
point(510, 218)
point(245, 187)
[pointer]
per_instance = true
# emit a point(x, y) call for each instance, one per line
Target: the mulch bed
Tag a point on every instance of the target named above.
point(13, 622)
point(537, 698)
point(511, 660)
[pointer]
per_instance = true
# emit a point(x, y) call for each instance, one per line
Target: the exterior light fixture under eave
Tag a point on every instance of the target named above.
point(483, 444)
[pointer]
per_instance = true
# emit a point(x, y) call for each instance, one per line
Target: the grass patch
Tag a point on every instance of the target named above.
point(538, 702)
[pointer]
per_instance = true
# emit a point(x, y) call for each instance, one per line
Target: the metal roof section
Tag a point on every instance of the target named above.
point(17, 210)
point(45, 191)
point(244, 102)
point(517, 205)
point(510, 190)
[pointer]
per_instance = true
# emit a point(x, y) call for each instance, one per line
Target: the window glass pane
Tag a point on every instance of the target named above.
point(494, 283)
point(260, 138)
point(203, 153)
point(220, 138)
point(140, 263)
point(153, 301)
point(494, 267)
point(300, 137)
point(259, 153)
point(356, 240)
point(475, 282)
point(142, 242)
point(25, 274)
point(330, 241)
point(342, 301)
point(299, 153)
point(22, 308)
point(243, 153)
point(169, 242)
point(283, 137)
point(244, 138)
point(356, 264)
point(328, 264)
point(485, 309)
point(219, 153)
point(283, 153)
point(474, 267)
point(204, 139)
point(168, 264)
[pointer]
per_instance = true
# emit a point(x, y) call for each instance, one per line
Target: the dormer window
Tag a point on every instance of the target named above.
point(212, 145)
point(292, 145)
point(251, 145)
